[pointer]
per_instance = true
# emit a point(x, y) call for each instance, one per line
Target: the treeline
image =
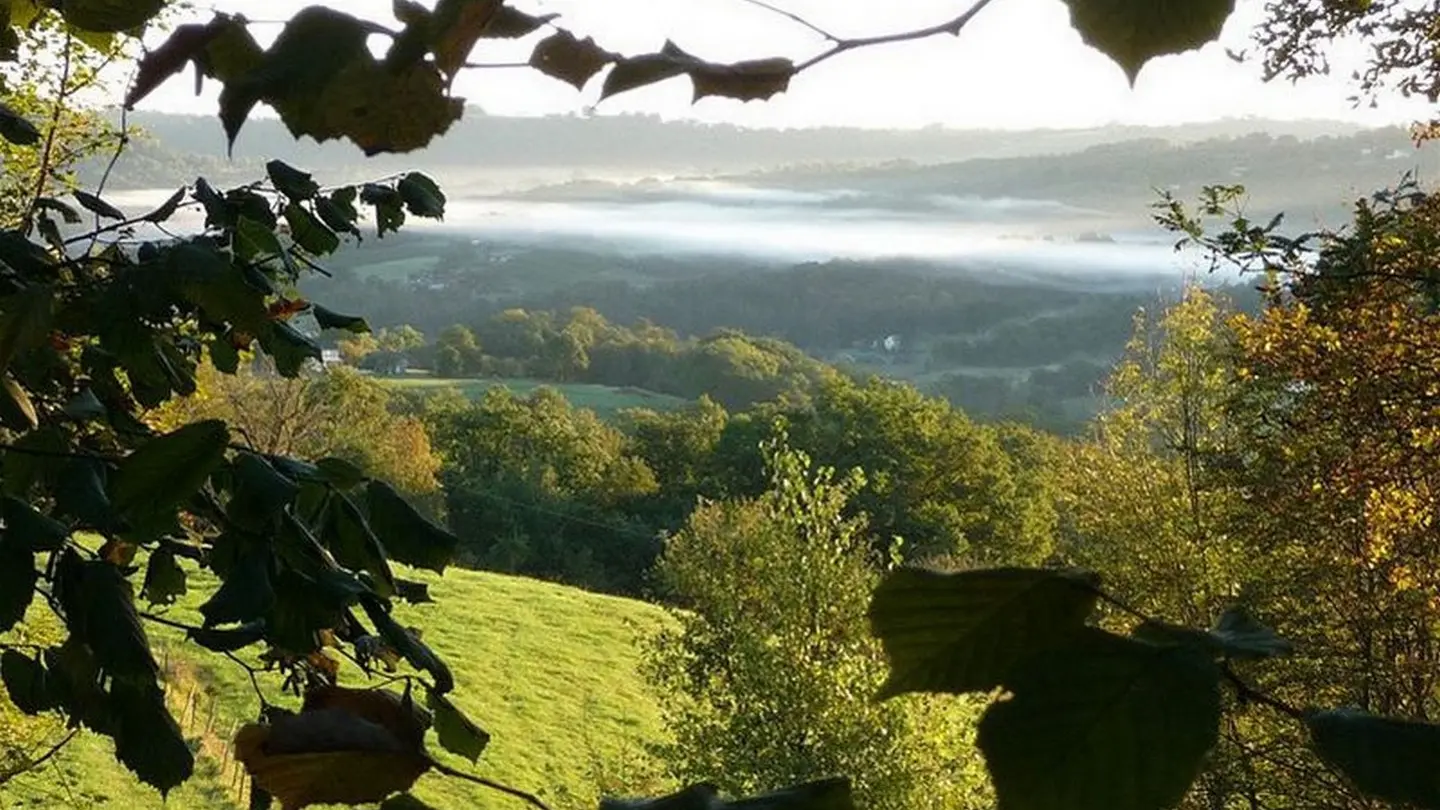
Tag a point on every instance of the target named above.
point(538, 487)
point(730, 367)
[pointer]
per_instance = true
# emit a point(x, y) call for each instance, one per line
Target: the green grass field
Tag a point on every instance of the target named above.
point(550, 672)
point(602, 399)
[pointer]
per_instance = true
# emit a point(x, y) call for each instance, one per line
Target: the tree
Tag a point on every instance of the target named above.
point(457, 352)
point(760, 696)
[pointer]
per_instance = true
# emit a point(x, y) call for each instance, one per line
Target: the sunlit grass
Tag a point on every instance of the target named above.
point(549, 671)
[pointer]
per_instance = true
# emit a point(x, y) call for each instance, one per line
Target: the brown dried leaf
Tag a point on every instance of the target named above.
point(634, 72)
point(334, 777)
point(754, 80)
point(573, 61)
point(459, 24)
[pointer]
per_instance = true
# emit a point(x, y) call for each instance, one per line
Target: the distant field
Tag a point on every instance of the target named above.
point(602, 399)
point(393, 269)
point(549, 671)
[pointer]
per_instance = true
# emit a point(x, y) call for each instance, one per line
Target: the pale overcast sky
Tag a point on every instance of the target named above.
point(1017, 65)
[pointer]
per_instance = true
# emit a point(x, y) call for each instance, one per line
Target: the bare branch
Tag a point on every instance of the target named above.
point(953, 27)
point(790, 15)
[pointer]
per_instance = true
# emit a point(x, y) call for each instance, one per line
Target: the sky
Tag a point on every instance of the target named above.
point(1017, 65)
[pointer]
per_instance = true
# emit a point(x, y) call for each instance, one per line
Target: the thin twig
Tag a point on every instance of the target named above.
point(62, 95)
point(1246, 692)
point(55, 749)
point(490, 783)
point(496, 65)
point(792, 16)
point(254, 681)
point(167, 622)
point(953, 27)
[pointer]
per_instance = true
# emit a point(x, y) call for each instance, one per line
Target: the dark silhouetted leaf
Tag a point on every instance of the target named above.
point(421, 195)
point(164, 578)
point(289, 348)
point(66, 212)
point(389, 207)
point(404, 642)
point(309, 232)
point(26, 682)
point(355, 545)
point(100, 611)
point(825, 794)
point(15, 129)
point(167, 470)
point(97, 206)
point(166, 209)
point(293, 183)
point(80, 493)
point(17, 578)
point(1132, 32)
point(24, 523)
point(458, 25)
point(416, 593)
point(574, 61)
point(185, 43)
point(456, 732)
point(633, 72)
point(1393, 760)
point(337, 217)
point(340, 472)
point(757, 79)
point(110, 15)
point(964, 632)
point(1102, 723)
point(228, 639)
point(246, 595)
point(510, 23)
point(260, 487)
point(329, 319)
point(147, 738)
point(253, 240)
point(408, 536)
point(25, 318)
point(85, 406)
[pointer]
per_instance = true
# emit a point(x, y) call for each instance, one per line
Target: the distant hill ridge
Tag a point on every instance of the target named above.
point(550, 148)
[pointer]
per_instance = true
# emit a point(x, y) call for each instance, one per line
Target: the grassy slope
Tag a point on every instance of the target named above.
point(603, 399)
point(549, 671)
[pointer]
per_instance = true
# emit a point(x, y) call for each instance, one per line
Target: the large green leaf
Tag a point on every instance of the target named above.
point(1102, 723)
point(80, 493)
point(1394, 760)
point(97, 206)
point(422, 196)
point(330, 319)
point(17, 578)
point(964, 632)
point(26, 682)
point(289, 348)
point(167, 470)
point(407, 535)
point(17, 410)
point(1132, 32)
point(26, 524)
point(456, 732)
point(309, 232)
